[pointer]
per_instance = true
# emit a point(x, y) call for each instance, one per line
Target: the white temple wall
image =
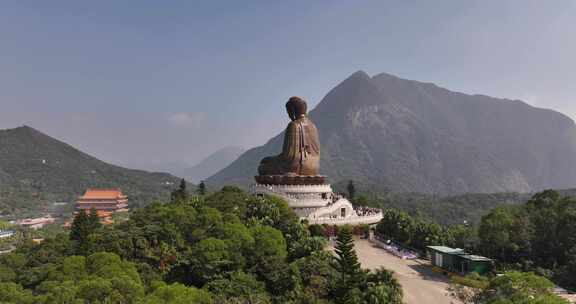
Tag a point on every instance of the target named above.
point(341, 209)
point(316, 203)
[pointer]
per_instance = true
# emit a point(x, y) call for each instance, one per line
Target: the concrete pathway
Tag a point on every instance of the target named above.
point(420, 284)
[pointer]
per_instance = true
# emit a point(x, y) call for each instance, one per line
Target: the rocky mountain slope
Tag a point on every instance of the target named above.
point(35, 169)
point(408, 136)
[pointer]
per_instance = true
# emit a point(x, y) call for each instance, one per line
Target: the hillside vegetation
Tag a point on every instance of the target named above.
point(447, 210)
point(36, 169)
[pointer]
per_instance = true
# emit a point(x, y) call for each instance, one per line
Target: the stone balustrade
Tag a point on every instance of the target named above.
point(354, 220)
point(324, 188)
point(297, 196)
point(307, 203)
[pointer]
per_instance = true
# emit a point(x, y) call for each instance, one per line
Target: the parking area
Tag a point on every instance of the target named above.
point(419, 282)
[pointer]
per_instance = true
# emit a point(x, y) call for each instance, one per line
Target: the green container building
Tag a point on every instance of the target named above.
point(458, 261)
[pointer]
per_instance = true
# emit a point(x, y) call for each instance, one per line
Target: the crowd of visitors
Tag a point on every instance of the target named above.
point(397, 250)
point(367, 211)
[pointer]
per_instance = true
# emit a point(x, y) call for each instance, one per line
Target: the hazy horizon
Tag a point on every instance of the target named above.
point(146, 84)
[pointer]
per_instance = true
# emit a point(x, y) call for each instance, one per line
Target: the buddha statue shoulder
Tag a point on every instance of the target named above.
point(301, 149)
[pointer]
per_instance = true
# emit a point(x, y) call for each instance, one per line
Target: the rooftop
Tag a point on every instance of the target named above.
point(34, 221)
point(447, 250)
point(472, 257)
point(103, 194)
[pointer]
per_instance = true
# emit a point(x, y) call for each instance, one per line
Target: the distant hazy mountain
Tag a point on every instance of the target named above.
point(35, 168)
point(172, 167)
point(409, 136)
point(211, 164)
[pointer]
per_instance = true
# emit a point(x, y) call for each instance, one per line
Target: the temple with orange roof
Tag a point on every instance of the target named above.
point(103, 200)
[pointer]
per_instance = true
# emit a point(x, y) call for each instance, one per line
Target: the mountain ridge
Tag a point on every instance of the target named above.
point(411, 136)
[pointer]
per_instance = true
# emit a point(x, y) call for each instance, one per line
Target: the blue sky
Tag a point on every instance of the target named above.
point(145, 82)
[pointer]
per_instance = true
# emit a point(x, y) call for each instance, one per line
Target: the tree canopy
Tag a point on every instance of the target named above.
point(224, 247)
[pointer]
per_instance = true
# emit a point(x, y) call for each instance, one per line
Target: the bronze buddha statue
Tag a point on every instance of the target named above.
point(300, 155)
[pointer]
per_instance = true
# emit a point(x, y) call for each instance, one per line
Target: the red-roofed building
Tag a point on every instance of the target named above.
point(36, 223)
point(103, 200)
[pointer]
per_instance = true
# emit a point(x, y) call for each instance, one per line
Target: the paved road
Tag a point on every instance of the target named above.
point(420, 284)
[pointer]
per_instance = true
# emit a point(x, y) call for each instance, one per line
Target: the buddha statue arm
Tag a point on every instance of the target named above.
point(290, 149)
point(313, 142)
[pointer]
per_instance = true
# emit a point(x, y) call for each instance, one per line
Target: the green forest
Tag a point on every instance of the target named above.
point(225, 247)
point(229, 247)
point(538, 236)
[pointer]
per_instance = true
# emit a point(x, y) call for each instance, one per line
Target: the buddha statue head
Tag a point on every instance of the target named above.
point(296, 107)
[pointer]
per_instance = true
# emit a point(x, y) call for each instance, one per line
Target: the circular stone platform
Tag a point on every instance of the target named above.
point(318, 204)
point(290, 179)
